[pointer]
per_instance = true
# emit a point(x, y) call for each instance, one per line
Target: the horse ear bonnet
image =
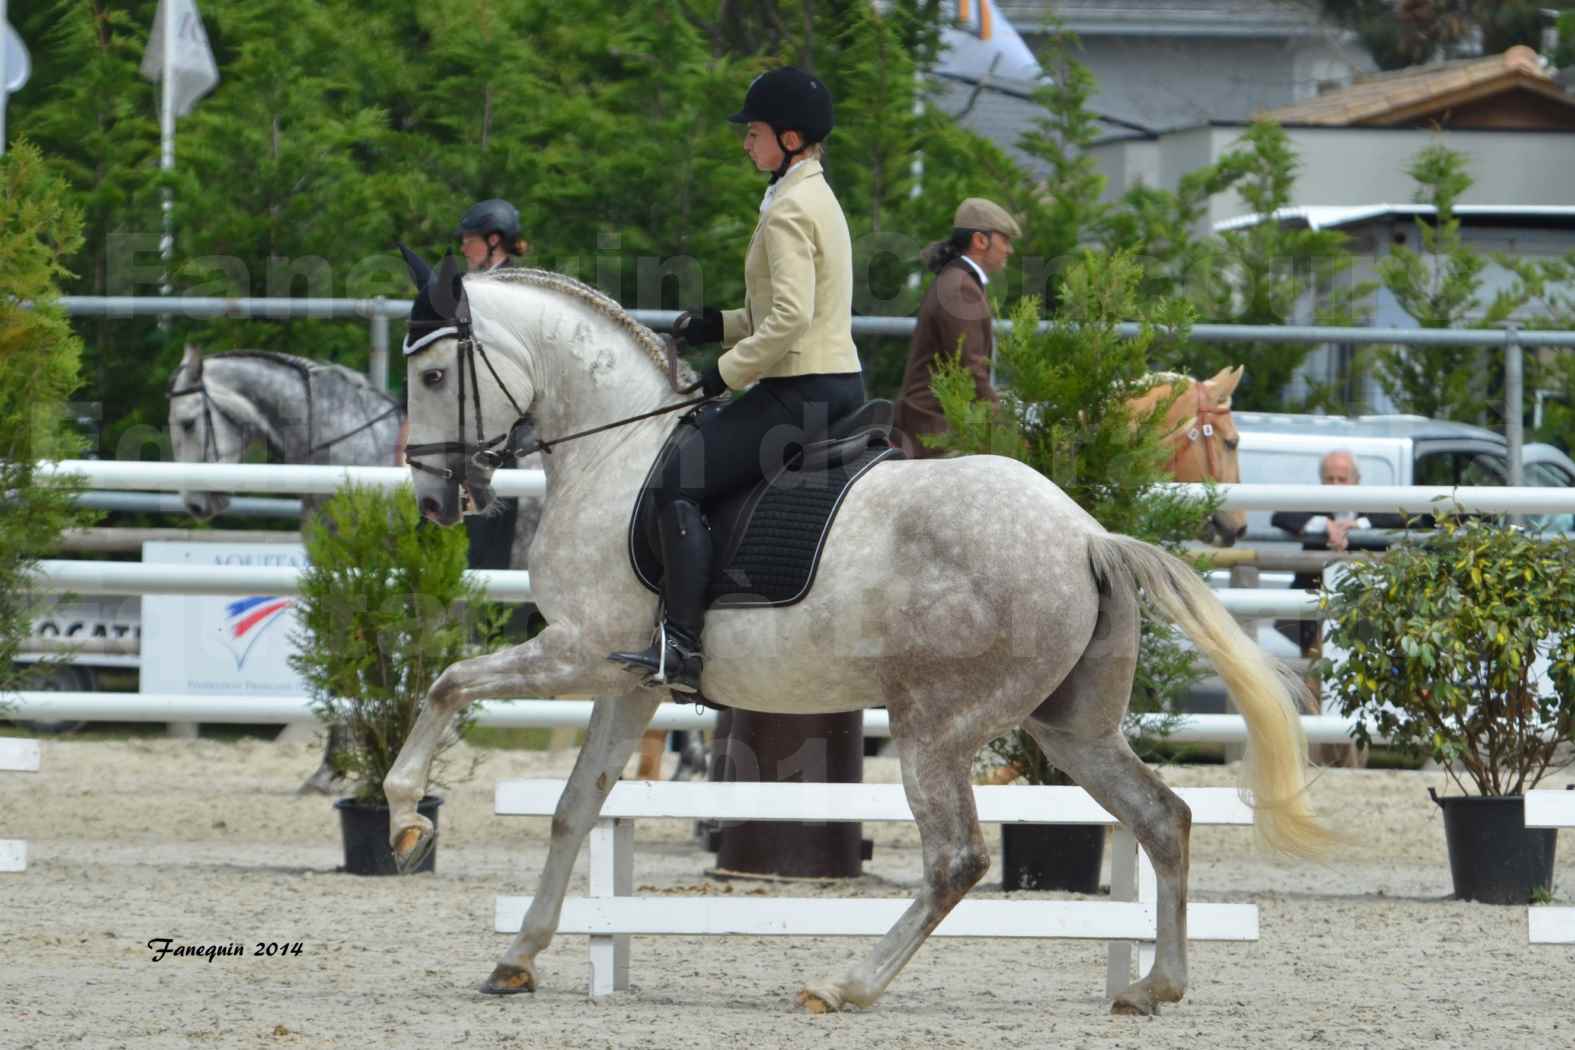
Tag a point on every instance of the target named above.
point(439, 300)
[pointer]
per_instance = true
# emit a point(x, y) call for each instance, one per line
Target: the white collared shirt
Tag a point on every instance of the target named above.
point(771, 190)
point(984, 278)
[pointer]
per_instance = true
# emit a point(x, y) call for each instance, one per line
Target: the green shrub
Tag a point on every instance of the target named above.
point(384, 608)
point(38, 371)
point(1462, 650)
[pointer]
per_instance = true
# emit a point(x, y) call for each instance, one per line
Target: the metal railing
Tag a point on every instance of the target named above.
point(379, 311)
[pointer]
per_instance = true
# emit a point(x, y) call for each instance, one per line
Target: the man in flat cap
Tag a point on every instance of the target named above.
point(954, 317)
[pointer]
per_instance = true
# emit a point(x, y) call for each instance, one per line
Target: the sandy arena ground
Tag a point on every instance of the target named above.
point(204, 842)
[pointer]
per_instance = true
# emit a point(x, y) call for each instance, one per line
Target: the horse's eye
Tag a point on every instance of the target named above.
point(189, 425)
point(1231, 443)
point(432, 378)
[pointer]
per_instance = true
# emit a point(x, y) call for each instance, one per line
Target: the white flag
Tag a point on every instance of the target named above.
point(191, 59)
point(17, 64)
point(980, 42)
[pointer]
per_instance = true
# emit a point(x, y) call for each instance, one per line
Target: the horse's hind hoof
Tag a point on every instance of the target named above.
point(411, 848)
point(509, 980)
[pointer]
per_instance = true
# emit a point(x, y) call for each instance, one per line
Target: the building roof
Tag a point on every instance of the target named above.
point(1408, 96)
point(1328, 217)
point(1168, 18)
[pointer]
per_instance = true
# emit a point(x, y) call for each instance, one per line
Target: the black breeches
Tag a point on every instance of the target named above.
point(755, 434)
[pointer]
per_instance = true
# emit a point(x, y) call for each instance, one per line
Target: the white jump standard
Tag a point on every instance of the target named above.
point(16, 756)
point(1550, 809)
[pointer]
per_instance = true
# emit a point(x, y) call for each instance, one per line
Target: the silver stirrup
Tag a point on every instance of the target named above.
point(660, 677)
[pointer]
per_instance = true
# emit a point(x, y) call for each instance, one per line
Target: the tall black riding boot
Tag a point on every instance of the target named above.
point(675, 657)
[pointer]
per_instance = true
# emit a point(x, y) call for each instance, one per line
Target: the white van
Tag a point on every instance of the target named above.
point(1285, 449)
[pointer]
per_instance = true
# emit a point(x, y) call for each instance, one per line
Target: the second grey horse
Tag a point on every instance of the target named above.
point(302, 411)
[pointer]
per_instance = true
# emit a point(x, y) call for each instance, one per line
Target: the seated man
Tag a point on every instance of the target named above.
point(1326, 531)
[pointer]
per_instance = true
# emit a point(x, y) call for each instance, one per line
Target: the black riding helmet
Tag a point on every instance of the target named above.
point(788, 99)
point(491, 216)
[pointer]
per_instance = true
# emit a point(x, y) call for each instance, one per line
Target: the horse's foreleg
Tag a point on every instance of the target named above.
point(543, 666)
point(936, 778)
point(610, 739)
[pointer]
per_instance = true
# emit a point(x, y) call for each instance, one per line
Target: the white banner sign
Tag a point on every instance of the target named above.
point(220, 644)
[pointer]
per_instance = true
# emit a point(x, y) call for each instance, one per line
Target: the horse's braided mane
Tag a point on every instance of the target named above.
point(1154, 379)
point(596, 300)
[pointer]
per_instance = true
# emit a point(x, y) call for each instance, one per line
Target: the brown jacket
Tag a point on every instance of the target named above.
point(954, 317)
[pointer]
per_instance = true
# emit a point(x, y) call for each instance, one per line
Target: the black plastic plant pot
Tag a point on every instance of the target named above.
point(1493, 857)
point(365, 830)
point(1052, 857)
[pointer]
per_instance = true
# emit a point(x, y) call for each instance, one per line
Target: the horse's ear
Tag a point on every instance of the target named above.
point(447, 289)
point(1225, 382)
point(191, 361)
point(420, 272)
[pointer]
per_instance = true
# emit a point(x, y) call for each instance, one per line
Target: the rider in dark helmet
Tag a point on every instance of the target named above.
point(489, 235)
point(790, 358)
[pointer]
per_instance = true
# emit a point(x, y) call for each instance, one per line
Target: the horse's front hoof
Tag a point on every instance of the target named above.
point(818, 1001)
point(411, 847)
point(1132, 1006)
point(509, 980)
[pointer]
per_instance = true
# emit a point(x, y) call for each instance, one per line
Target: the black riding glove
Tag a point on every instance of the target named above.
point(711, 381)
point(699, 329)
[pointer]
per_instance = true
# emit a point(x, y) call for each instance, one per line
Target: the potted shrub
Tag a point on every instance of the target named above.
point(383, 609)
point(1463, 650)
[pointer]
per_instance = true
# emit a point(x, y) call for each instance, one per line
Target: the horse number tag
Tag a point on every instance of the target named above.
point(1192, 435)
point(1208, 430)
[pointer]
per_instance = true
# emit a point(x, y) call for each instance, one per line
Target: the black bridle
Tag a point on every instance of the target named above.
point(485, 452)
point(210, 441)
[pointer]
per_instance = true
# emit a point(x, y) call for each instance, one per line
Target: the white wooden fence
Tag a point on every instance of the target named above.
point(610, 914)
point(17, 756)
point(1550, 809)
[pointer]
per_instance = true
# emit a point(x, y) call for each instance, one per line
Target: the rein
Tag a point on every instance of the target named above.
point(483, 451)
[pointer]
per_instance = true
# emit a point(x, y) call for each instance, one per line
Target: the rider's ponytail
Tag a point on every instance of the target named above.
point(938, 254)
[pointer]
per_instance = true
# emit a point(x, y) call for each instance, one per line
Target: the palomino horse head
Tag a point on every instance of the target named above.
point(1202, 438)
point(208, 424)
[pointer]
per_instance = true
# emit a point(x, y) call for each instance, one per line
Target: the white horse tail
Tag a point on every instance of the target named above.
point(1262, 689)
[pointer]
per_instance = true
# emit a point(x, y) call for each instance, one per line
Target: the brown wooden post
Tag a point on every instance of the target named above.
point(790, 749)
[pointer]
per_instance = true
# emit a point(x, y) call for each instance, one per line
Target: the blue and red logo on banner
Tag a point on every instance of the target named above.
point(247, 619)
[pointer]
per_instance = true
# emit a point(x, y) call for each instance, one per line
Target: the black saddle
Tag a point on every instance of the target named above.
point(768, 537)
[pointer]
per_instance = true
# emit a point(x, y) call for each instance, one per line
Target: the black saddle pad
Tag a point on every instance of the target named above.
point(768, 538)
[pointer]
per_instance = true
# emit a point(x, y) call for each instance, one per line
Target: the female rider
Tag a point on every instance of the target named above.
point(789, 349)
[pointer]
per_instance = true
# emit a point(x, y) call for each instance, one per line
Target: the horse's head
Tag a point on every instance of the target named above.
point(468, 403)
point(206, 426)
point(1202, 439)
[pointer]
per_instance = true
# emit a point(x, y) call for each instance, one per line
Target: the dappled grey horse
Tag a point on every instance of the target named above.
point(302, 411)
point(969, 596)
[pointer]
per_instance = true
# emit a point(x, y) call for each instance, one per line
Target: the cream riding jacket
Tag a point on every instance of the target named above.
point(797, 317)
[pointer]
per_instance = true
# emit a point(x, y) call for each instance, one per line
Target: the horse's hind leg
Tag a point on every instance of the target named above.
point(935, 774)
point(610, 739)
point(1079, 728)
